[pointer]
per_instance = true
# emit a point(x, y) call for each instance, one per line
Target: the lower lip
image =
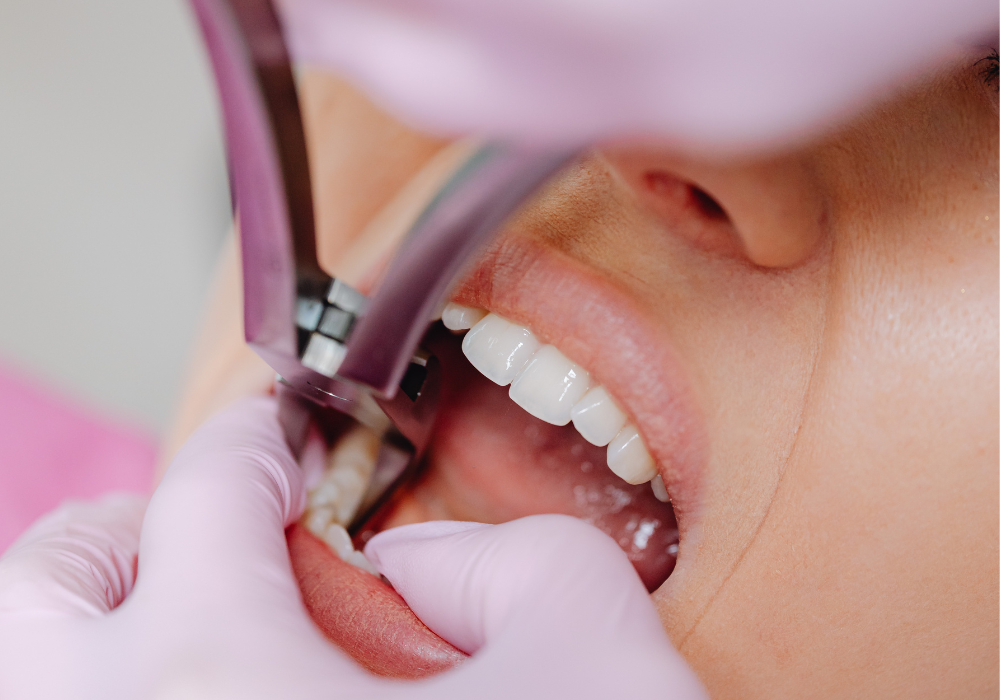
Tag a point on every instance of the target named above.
point(363, 615)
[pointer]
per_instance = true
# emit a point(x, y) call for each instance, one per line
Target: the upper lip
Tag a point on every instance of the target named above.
point(607, 331)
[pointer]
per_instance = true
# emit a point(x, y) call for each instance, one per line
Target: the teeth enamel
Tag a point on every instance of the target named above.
point(460, 318)
point(549, 386)
point(332, 503)
point(349, 469)
point(629, 458)
point(597, 418)
point(338, 540)
point(659, 490)
point(499, 348)
point(361, 561)
point(554, 389)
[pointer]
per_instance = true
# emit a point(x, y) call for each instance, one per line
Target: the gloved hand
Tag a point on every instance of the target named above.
point(548, 605)
point(714, 73)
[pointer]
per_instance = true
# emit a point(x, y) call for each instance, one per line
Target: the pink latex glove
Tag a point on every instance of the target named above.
point(708, 73)
point(549, 606)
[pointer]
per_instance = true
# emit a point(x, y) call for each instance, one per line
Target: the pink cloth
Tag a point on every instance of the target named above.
point(51, 450)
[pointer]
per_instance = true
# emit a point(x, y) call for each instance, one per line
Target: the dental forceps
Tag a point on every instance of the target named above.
point(332, 347)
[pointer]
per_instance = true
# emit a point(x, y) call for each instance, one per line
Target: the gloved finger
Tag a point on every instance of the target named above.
point(214, 529)
point(79, 559)
point(547, 595)
point(470, 583)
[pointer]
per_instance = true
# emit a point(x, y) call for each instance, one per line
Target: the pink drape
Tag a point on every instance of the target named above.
point(52, 450)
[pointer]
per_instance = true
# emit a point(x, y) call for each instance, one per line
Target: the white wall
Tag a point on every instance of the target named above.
point(113, 198)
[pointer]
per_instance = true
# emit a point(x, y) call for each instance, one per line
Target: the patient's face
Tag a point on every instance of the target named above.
point(807, 345)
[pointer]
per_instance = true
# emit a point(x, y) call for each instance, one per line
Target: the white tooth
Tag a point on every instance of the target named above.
point(326, 493)
point(499, 348)
point(456, 317)
point(629, 458)
point(318, 519)
point(361, 561)
point(335, 499)
point(549, 386)
point(351, 464)
point(339, 541)
point(597, 418)
point(659, 490)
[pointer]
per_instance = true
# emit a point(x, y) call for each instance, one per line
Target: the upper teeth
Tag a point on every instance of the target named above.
point(549, 386)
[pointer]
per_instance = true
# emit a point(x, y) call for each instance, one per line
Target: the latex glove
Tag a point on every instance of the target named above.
point(708, 73)
point(550, 606)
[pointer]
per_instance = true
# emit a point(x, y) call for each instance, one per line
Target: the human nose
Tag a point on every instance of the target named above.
point(773, 211)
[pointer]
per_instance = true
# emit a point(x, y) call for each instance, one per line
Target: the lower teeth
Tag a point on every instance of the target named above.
point(333, 502)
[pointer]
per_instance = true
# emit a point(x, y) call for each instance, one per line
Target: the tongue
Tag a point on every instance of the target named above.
point(364, 616)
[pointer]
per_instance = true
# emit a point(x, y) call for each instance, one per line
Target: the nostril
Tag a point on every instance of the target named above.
point(707, 204)
point(670, 188)
point(690, 212)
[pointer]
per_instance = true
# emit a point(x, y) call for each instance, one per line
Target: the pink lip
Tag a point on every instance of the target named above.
point(364, 616)
point(610, 333)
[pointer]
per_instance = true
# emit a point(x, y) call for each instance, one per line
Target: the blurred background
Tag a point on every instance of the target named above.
point(113, 199)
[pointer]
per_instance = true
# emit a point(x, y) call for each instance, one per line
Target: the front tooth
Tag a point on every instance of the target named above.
point(499, 348)
point(456, 317)
point(597, 418)
point(629, 458)
point(549, 386)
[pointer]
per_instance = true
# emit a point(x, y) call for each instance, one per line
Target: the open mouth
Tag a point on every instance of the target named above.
point(558, 396)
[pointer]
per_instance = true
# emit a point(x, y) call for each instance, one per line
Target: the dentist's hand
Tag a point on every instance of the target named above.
point(548, 606)
point(708, 73)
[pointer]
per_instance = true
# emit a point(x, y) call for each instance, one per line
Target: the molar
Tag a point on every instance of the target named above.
point(499, 348)
point(550, 386)
point(629, 458)
point(597, 418)
point(349, 468)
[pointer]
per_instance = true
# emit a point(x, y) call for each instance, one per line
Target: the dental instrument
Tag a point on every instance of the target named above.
point(331, 346)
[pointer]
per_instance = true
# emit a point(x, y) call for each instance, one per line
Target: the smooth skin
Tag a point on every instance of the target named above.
point(835, 310)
